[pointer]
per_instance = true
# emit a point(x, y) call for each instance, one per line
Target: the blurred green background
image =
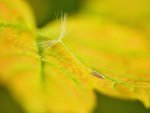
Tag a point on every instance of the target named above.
point(130, 12)
point(47, 10)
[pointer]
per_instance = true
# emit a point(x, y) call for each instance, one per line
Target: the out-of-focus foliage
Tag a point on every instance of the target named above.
point(16, 12)
point(107, 104)
point(48, 10)
point(7, 103)
point(51, 80)
point(133, 12)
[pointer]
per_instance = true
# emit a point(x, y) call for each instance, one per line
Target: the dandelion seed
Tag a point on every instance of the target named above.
point(50, 43)
point(63, 28)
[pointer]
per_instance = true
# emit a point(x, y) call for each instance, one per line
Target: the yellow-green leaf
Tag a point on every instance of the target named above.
point(121, 53)
point(16, 11)
point(50, 79)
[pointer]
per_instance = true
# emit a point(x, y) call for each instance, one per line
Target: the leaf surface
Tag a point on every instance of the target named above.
point(119, 52)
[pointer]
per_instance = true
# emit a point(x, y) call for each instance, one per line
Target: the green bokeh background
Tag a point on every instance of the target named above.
point(47, 10)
